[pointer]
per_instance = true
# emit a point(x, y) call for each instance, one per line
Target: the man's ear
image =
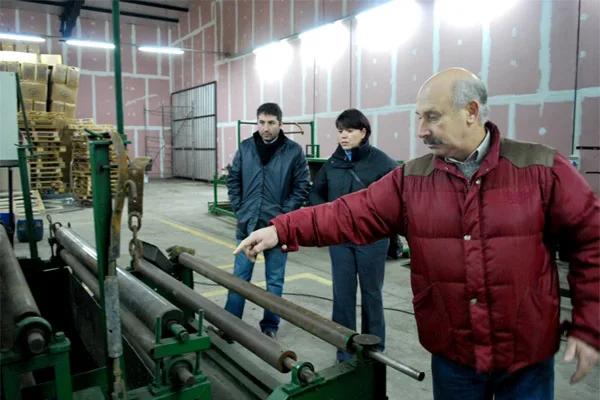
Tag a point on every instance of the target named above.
point(473, 110)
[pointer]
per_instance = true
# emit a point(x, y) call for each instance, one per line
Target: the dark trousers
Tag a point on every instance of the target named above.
point(452, 381)
point(349, 261)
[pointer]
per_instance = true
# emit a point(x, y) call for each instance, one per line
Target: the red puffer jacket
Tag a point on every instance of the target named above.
point(483, 274)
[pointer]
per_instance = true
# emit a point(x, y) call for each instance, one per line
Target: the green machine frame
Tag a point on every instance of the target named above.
point(107, 381)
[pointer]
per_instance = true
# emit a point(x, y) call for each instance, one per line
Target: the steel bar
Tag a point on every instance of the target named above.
point(263, 346)
point(397, 365)
point(134, 330)
point(327, 330)
point(17, 296)
point(137, 297)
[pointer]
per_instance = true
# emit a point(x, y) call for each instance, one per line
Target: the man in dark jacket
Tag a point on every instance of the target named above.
point(483, 216)
point(269, 176)
point(354, 166)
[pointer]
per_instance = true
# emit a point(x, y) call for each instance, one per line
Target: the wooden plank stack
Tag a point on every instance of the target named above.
point(46, 173)
point(37, 204)
point(80, 156)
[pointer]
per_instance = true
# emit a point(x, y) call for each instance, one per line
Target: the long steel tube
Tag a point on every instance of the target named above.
point(319, 326)
point(134, 330)
point(331, 332)
point(137, 297)
point(17, 297)
point(263, 346)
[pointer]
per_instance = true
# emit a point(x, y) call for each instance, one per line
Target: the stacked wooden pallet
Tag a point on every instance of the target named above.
point(37, 204)
point(80, 156)
point(46, 173)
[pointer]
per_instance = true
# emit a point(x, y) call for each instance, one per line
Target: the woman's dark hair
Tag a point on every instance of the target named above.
point(353, 119)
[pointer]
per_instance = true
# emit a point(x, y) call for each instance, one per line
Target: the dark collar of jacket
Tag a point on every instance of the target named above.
point(266, 151)
point(358, 153)
point(280, 138)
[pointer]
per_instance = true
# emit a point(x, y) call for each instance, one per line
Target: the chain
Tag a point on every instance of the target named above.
point(134, 221)
point(135, 245)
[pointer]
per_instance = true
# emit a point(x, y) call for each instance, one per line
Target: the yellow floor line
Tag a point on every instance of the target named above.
point(195, 232)
point(263, 284)
point(208, 237)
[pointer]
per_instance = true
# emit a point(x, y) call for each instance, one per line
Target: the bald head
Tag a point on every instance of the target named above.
point(448, 77)
point(458, 86)
point(452, 106)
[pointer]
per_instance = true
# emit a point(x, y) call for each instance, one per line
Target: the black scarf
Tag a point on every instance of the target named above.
point(266, 150)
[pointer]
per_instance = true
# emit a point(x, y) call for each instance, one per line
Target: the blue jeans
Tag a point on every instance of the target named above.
point(275, 262)
point(452, 381)
point(368, 263)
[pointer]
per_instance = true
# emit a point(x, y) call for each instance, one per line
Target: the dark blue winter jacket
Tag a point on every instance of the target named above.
point(341, 175)
point(259, 193)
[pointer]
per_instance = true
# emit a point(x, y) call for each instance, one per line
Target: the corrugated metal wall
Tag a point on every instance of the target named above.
point(194, 132)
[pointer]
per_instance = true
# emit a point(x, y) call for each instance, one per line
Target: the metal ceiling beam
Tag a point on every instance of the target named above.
point(162, 6)
point(103, 10)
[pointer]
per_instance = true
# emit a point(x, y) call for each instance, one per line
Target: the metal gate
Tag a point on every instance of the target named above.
point(194, 132)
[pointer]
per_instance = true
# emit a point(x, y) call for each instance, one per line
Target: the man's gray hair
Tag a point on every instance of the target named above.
point(466, 90)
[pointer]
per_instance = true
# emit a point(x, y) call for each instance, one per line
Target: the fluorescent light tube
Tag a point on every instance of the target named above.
point(22, 38)
point(90, 43)
point(163, 50)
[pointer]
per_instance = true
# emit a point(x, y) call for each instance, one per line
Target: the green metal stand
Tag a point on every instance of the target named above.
point(168, 352)
point(57, 358)
point(101, 187)
point(352, 379)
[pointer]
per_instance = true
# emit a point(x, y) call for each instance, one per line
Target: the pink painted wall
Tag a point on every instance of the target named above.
point(526, 56)
point(146, 77)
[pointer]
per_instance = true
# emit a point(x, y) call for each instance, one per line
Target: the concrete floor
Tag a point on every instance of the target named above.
point(176, 213)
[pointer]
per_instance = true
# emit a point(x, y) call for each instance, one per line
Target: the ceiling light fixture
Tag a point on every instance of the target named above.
point(162, 50)
point(21, 38)
point(90, 43)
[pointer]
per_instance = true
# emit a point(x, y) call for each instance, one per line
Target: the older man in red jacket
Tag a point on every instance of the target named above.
point(483, 216)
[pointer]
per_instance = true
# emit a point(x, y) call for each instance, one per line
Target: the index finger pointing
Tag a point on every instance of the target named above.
point(240, 247)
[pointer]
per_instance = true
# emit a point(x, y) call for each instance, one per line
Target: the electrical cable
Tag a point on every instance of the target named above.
point(314, 297)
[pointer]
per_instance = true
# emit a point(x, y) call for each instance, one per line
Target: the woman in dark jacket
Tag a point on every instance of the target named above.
point(353, 166)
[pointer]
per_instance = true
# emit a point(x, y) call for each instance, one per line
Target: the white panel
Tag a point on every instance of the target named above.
point(9, 134)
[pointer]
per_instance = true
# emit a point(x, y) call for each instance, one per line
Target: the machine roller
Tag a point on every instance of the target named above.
point(323, 328)
point(138, 298)
point(136, 333)
point(263, 346)
point(30, 333)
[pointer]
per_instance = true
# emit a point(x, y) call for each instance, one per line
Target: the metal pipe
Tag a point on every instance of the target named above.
point(134, 330)
point(17, 297)
point(137, 297)
point(263, 346)
point(331, 332)
point(397, 365)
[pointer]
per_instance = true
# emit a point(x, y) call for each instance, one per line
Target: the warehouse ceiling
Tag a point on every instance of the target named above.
point(139, 12)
